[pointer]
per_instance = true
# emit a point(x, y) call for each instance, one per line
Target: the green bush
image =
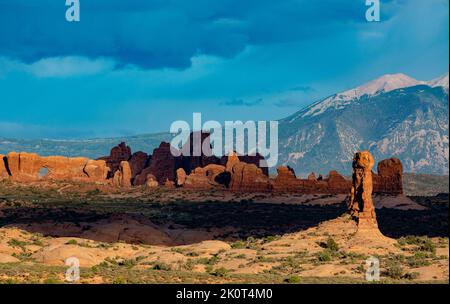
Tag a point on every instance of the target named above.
point(293, 280)
point(119, 280)
point(332, 245)
point(324, 256)
point(419, 259)
point(394, 271)
point(422, 243)
point(220, 272)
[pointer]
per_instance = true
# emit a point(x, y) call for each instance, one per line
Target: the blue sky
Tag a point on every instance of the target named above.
point(132, 67)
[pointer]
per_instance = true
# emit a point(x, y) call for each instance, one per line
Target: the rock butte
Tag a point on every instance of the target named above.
point(235, 173)
point(360, 204)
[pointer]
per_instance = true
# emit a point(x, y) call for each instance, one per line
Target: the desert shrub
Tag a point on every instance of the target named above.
point(250, 243)
point(271, 238)
point(72, 242)
point(119, 280)
point(220, 272)
point(293, 280)
point(38, 242)
point(161, 266)
point(330, 244)
point(127, 263)
point(17, 243)
point(52, 281)
point(324, 256)
point(394, 271)
point(238, 245)
point(422, 243)
point(189, 265)
point(178, 250)
point(411, 275)
point(24, 256)
point(419, 259)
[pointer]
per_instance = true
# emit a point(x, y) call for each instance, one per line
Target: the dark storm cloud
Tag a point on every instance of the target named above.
point(165, 33)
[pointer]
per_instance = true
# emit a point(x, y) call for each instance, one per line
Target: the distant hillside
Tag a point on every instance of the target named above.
point(92, 148)
point(425, 184)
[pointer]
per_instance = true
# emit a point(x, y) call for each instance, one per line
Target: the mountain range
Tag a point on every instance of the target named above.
point(392, 116)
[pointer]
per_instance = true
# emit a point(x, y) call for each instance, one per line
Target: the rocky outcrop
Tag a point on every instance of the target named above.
point(122, 177)
point(163, 164)
point(312, 177)
point(360, 204)
point(286, 181)
point(151, 182)
point(96, 169)
point(389, 179)
point(3, 170)
point(211, 176)
point(197, 180)
point(248, 178)
point(138, 161)
point(181, 177)
point(163, 168)
point(337, 183)
point(31, 167)
point(118, 154)
point(141, 178)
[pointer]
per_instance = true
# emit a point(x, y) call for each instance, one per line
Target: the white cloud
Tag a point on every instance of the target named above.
point(58, 67)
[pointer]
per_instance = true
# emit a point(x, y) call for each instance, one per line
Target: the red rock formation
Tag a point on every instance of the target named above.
point(389, 179)
point(3, 170)
point(163, 168)
point(151, 182)
point(181, 177)
point(312, 177)
point(141, 178)
point(360, 204)
point(246, 159)
point(118, 154)
point(337, 183)
point(122, 177)
point(231, 160)
point(163, 164)
point(286, 181)
point(30, 167)
point(197, 180)
point(248, 178)
point(96, 170)
point(138, 162)
point(205, 178)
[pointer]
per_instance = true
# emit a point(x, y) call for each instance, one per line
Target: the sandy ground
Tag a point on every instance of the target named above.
point(297, 253)
point(330, 249)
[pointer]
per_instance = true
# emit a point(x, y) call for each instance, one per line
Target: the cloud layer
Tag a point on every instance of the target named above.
point(165, 33)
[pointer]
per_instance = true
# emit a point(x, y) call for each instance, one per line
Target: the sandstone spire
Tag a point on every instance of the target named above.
point(360, 204)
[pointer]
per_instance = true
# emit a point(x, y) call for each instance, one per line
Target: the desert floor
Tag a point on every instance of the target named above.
point(179, 236)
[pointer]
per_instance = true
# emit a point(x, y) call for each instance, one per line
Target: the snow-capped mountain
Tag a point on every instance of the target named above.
point(394, 115)
point(439, 82)
point(384, 84)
